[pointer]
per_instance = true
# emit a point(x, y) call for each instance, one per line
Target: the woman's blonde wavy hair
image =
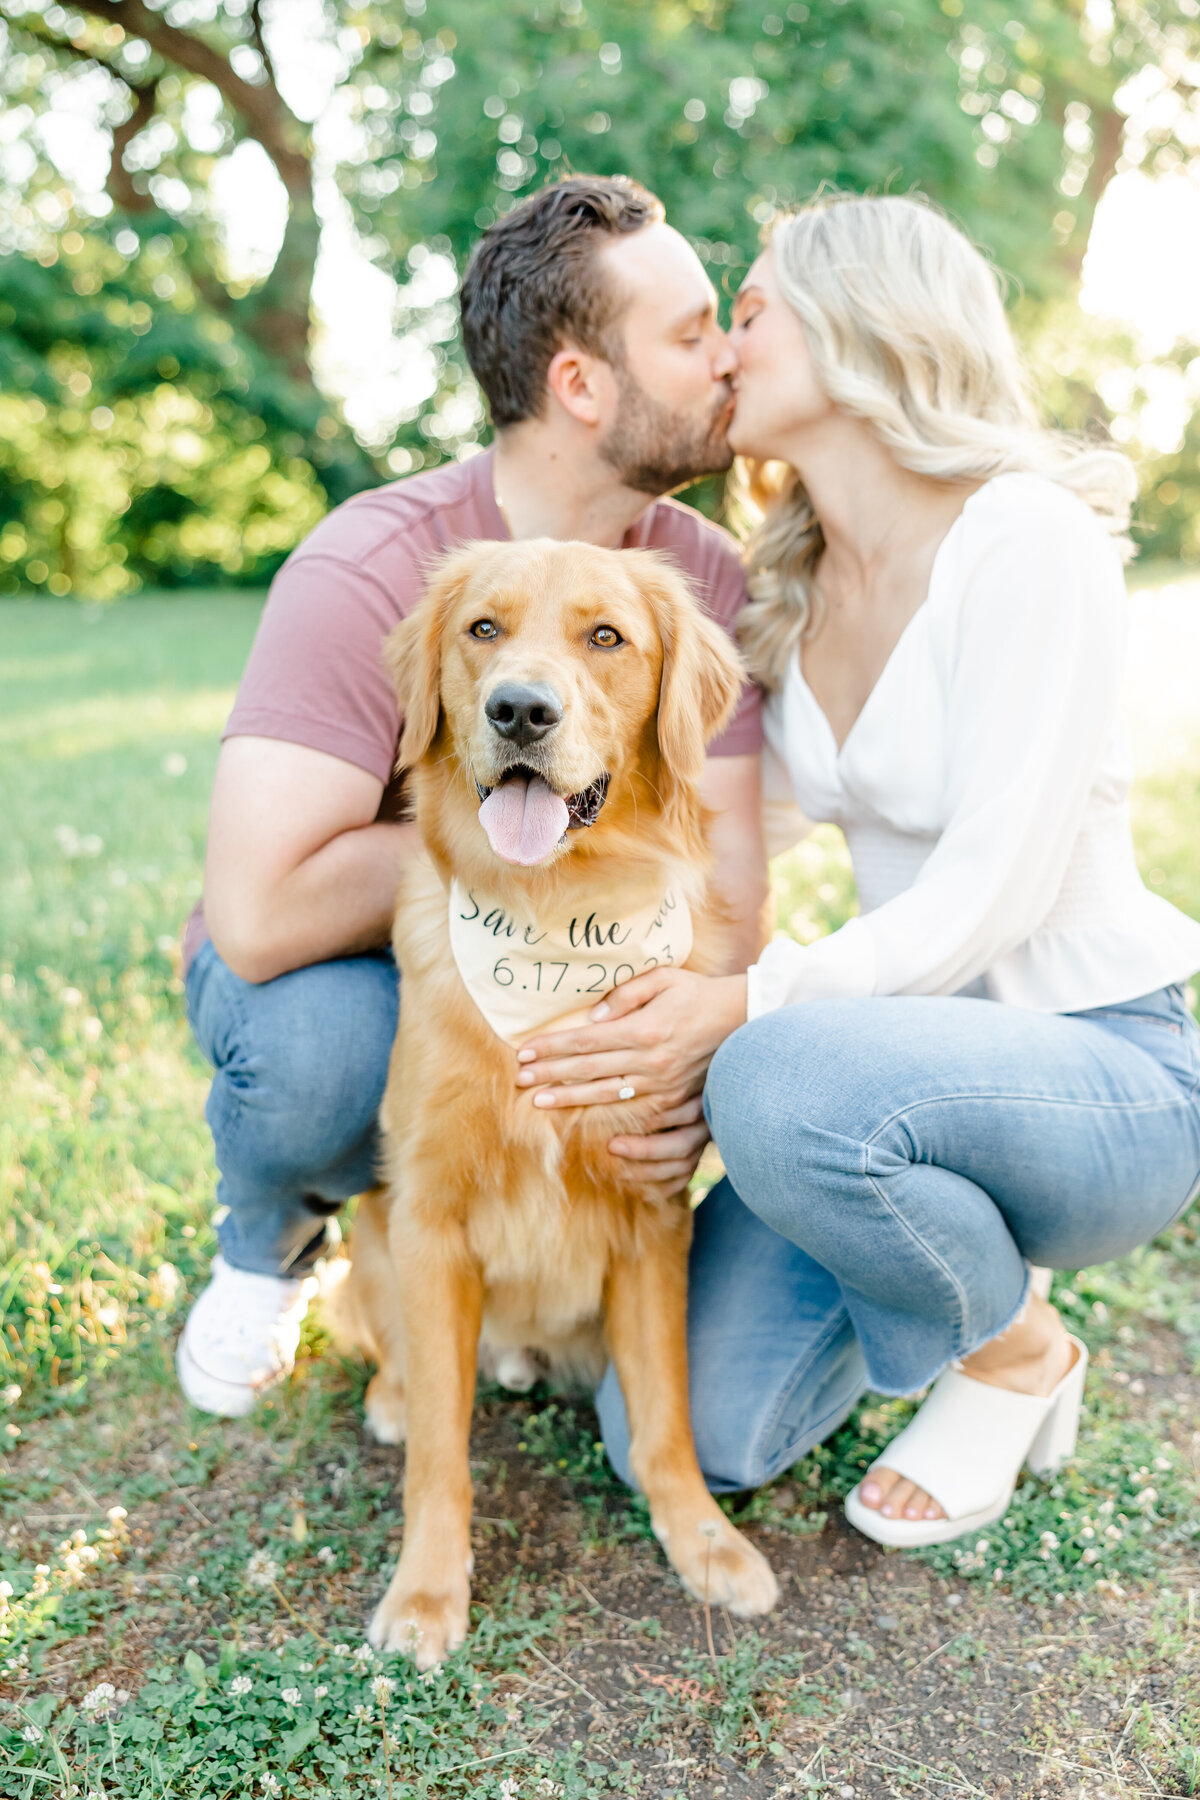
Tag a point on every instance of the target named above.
point(907, 331)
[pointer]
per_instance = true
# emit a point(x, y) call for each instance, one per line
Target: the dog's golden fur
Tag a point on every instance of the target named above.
point(495, 1214)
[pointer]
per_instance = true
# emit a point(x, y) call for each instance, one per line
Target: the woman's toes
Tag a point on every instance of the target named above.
point(897, 1501)
point(888, 1493)
point(876, 1486)
point(923, 1506)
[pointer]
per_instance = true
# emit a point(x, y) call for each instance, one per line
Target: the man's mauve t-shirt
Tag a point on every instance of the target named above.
point(316, 676)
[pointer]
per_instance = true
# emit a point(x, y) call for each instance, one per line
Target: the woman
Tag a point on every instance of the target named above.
point(993, 1066)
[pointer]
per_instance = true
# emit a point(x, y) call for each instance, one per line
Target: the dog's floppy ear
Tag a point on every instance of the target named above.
point(413, 654)
point(702, 677)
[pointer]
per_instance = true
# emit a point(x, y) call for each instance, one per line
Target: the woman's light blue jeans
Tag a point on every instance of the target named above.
point(898, 1164)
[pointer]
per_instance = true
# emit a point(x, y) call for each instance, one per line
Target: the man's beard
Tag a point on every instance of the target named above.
point(654, 450)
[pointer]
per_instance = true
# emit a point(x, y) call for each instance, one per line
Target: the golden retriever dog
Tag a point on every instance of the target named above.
point(557, 699)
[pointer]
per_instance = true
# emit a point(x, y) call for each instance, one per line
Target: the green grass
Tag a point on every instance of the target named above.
point(108, 730)
point(108, 733)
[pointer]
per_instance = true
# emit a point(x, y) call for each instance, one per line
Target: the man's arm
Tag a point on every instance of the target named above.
point(298, 870)
point(732, 787)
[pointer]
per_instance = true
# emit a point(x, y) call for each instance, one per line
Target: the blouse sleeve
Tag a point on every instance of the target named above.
point(1034, 672)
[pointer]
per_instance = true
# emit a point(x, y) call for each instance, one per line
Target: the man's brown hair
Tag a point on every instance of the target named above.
point(533, 284)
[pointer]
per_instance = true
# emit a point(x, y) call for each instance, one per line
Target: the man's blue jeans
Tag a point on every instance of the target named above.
point(897, 1162)
point(299, 1067)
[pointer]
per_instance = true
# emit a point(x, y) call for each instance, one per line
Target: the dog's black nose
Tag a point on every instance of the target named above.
point(523, 714)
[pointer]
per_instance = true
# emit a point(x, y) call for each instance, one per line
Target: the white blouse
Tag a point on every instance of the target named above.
point(983, 787)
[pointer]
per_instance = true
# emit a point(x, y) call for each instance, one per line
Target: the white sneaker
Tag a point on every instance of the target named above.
point(240, 1338)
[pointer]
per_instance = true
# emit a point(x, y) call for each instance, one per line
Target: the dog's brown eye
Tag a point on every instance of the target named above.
point(606, 637)
point(484, 629)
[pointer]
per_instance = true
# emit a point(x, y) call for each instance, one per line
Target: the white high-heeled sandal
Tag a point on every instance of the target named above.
point(965, 1449)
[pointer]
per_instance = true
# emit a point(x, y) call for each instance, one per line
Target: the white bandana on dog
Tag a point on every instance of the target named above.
point(524, 975)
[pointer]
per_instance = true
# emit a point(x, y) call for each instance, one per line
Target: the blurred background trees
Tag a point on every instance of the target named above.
point(192, 195)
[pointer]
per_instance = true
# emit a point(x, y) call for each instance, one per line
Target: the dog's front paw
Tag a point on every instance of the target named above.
point(426, 1626)
point(385, 1409)
point(716, 1563)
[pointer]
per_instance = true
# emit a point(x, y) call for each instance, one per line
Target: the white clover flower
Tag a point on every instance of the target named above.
point(341, 1649)
point(362, 1712)
point(32, 1734)
point(304, 1668)
point(1161, 1463)
point(1090, 1556)
point(546, 1786)
point(12, 1431)
point(382, 1688)
point(1147, 1497)
point(270, 1784)
point(97, 1700)
point(12, 1393)
point(509, 1789)
point(241, 1684)
point(291, 1696)
point(364, 1655)
point(1048, 1540)
point(320, 1693)
point(262, 1571)
point(326, 1554)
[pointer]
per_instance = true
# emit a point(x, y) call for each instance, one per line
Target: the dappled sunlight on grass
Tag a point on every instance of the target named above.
point(1166, 825)
point(107, 750)
point(89, 727)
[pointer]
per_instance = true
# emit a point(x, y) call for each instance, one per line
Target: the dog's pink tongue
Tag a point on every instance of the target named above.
point(524, 819)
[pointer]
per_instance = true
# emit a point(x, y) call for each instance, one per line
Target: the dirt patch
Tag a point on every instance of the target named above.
point(875, 1674)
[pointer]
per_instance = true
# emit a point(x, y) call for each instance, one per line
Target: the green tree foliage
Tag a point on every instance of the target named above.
point(141, 439)
point(158, 417)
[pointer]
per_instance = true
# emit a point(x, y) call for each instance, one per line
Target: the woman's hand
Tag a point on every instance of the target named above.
point(656, 1034)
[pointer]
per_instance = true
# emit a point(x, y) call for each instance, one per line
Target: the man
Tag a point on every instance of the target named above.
point(591, 328)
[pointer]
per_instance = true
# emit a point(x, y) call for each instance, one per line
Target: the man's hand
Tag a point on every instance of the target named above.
point(298, 870)
point(670, 1151)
